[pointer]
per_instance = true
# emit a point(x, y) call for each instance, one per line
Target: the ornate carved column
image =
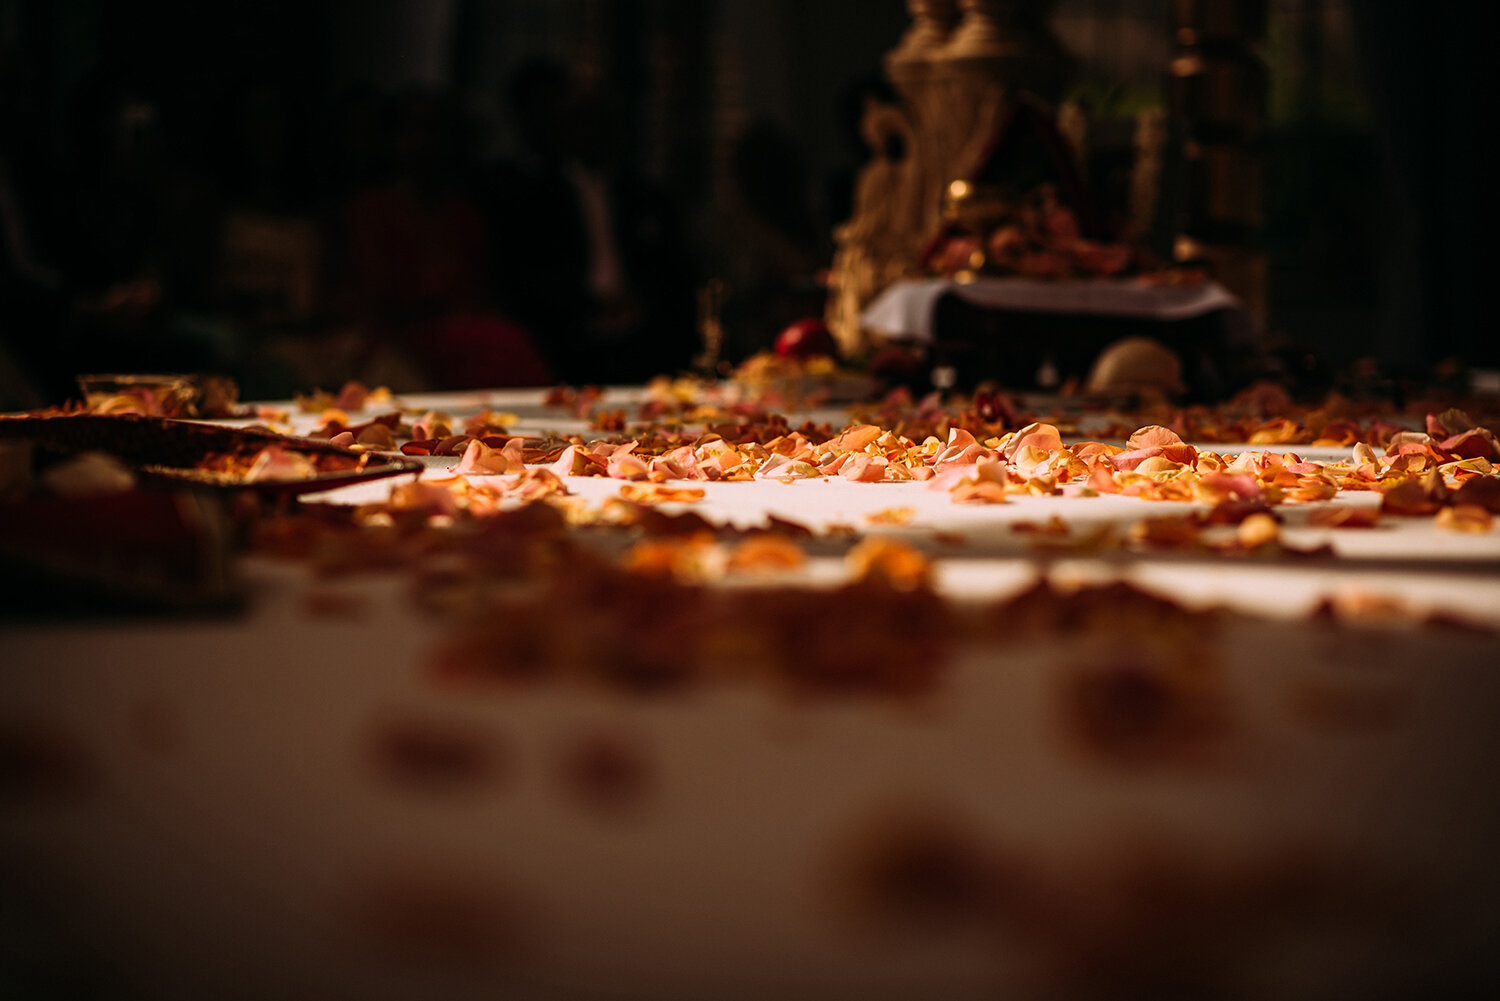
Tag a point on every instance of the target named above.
point(916, 69)
point(979, 35)
point(880, 241)
point(931, 21)
point(955, 68)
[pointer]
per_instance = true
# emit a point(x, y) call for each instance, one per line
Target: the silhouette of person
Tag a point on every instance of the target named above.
point(31, 287)
point(772, 246)
point(418, 255)
point(589, 253)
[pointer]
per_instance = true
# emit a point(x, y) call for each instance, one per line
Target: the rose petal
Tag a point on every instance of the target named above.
point(660, 493)
point(481, 459)
point(625, 466)
point(1465, 518)
point(1480, 491)
point(1152, 436)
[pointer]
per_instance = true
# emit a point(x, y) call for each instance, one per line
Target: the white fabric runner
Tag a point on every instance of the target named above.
point(904, 311)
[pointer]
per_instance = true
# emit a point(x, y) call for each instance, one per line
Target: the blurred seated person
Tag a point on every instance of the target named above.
point(770, 244)
point(588, 253)
point(141, 226)
point(31, 288)
point(416, 265)
point(269, 243)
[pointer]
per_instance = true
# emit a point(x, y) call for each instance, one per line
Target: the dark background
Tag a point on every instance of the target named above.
point(1371, 153)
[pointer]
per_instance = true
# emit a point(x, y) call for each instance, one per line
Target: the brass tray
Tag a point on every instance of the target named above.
point(208, 455)
point(182, 396)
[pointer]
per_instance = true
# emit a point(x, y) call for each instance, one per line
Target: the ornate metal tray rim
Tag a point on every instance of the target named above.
point(167, 449)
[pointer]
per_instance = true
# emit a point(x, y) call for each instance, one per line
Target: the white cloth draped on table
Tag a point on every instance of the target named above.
point(904, 311)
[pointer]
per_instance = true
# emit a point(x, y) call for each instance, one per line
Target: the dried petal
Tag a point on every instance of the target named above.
point(1128, 461)
point(378, 436)
point(432, 497)
point(1450, 422)
point(352, 396)
point(1259, 530)
point(892, 516)
point(1278, 432)
point(536, 482)
point(1102, 479)
point(1233, 511)
point(624, 465)
point(1408, 498)
point(865, 468)
point(1466, 518)
point(574, 461)
point(1345, 516)
point(766, 553)
point(1475, 443)
point(961, 448)
point(1054, 525)
point(857, 437)
point(276, 463)
point(450, 445)
point(1239, 486)
point(979, 492)
point(1040, 436)
point(1172, 532)
point(1480, 491)
point(481, 459)
point(1152, 436)
point(896, 563)
point(660, 493)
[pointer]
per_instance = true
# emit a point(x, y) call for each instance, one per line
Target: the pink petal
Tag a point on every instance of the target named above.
point(1241, 485)
point(1101, 479)
point(1043, 436)
point(866, 468)
point(352, 396)
point(1153, 435)
point(772, 463)
point(1134, 457)
point(1475, 443)
point(624, 466)
point(857, 437)
point(480, 458)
